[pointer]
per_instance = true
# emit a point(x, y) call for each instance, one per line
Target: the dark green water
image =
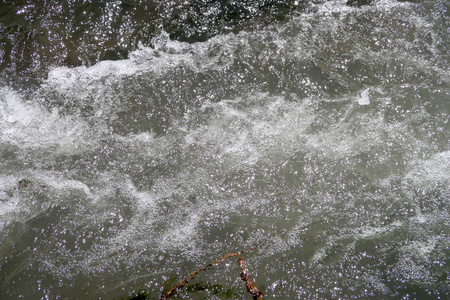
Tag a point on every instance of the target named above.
point(140, 141)
point(39, 35)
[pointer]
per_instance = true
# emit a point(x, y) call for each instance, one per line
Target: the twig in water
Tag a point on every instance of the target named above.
point(186, 280)
point(249, 284)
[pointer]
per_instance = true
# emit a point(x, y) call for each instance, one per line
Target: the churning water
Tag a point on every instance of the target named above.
point(322, 137)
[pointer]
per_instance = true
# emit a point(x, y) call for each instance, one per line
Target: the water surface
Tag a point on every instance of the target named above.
point(318, 131)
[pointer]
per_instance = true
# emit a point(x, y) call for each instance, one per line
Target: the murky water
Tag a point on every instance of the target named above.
point(318, 131)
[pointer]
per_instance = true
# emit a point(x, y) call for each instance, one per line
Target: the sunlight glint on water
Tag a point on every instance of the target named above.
point(323, 139)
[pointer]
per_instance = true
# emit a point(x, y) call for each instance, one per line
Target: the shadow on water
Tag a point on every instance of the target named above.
point(38, 35)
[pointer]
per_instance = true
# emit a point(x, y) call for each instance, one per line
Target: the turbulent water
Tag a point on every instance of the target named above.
point(316, 134)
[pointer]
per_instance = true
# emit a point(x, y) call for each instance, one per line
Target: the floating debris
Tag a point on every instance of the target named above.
point(185, 281)
point(249, 284)
point(24, 183)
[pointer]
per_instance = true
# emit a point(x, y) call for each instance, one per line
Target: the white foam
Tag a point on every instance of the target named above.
point(364, 98)
point(431, 171)
point(28, 125)
point(253, 128)
point(371, 232)
point(166, 55)
point(415, 258)
point(354, 234)
point(59, 184)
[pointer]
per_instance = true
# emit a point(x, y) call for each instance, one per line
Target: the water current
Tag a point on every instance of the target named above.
point(316, 133)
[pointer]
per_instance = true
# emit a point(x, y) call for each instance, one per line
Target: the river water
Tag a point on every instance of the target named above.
point(314, 133)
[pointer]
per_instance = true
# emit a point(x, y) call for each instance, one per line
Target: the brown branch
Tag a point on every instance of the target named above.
point(249, 284)
point(186, 280)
